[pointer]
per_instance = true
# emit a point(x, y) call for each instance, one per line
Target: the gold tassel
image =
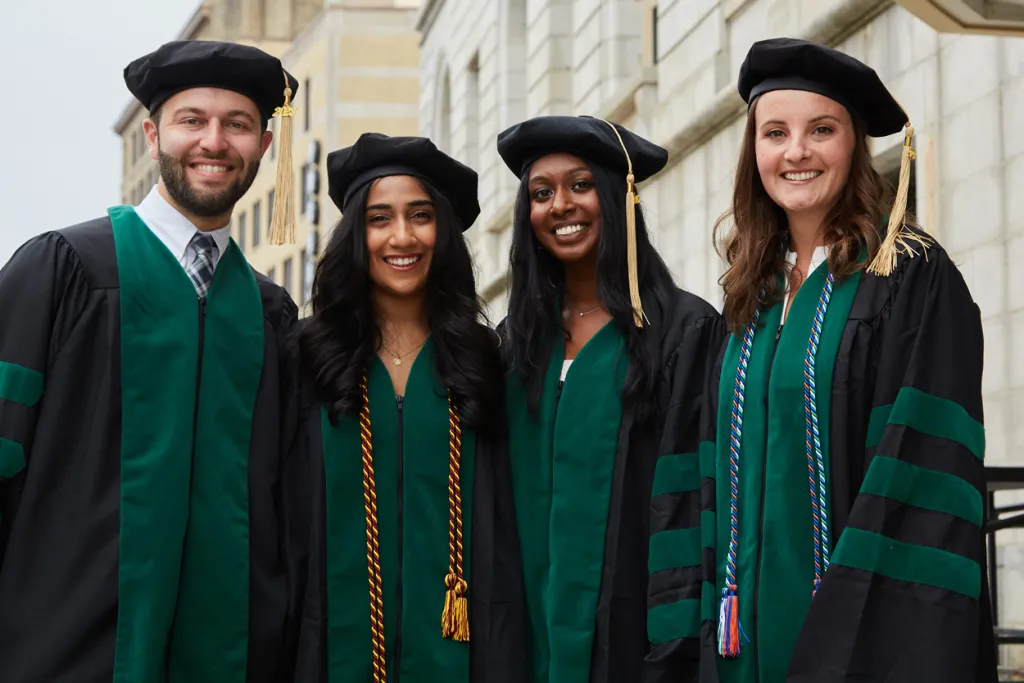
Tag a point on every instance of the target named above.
point(898, 240)
point(632, 200)
point(455, 618)
point(282, 224)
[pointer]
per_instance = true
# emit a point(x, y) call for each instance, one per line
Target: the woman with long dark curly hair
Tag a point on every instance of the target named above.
point(606, 360)
point(842, 539)
point(414, 572)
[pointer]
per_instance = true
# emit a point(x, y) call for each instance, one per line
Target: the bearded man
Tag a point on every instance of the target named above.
point(148, 409)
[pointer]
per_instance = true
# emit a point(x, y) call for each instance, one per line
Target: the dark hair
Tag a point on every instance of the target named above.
point(536, 282)
point(341, 336)
point(755, 246)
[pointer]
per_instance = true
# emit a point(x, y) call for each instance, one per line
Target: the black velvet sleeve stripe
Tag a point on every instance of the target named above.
point(671, 585)
point(908, 524)
point(675, 511)
point(707, 495)
point(707, 566)
point(933, 453)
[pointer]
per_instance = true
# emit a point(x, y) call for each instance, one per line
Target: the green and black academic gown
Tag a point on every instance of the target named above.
point(142, 481)
point(410, 451)
point(899, 413)
point(582, 476)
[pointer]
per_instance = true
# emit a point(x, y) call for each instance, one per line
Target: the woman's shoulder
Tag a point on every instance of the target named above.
point(691, 307)
point(689, 319)
point(916, 256)
point(920, 274)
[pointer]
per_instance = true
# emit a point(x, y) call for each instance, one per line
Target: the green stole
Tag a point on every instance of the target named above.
point(422, 469)
point(773, 474)
point(562, 470)
point(183, 563)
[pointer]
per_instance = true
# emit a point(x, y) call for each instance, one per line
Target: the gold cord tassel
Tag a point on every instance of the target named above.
point(372, 542)
point(898, 240)
point(632, 200)
point(282, 223)
point(455, 616)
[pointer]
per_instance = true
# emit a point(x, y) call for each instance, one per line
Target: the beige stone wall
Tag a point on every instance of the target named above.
point(358, 68)
point(668, 68)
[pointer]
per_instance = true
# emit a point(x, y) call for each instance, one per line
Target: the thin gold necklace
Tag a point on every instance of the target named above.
point(583, 313)
point(398, 357)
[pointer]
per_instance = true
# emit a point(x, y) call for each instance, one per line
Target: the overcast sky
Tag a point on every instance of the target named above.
point(62, 90)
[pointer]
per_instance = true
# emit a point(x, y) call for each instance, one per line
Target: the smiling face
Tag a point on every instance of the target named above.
point(401, 230)
point(804, 147)
point(564, 208)
point(209, 143)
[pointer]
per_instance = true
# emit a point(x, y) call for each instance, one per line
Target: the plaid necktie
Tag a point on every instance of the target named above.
point(200, 268)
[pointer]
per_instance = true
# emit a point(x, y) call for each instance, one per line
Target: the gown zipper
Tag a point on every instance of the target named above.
point(760, 521)
point(401, 533)
point(199, 366)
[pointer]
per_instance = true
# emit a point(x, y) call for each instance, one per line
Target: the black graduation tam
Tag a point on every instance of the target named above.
point(790, 64)
point(590, 138)
point(184, 64)
point(375, 155)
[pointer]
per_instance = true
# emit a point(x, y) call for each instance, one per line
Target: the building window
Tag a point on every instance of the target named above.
point(514, 65)
point(654, 34)
point(272, 274)
point(256, 224)
point(443, 117)
point(302, 278)
point(472, 122)
point(307, 100)
point(135, 146)
point(270, 207)
point(288, 277)
point(241, 232)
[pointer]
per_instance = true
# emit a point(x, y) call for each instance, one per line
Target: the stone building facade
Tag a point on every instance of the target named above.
point(668, 68)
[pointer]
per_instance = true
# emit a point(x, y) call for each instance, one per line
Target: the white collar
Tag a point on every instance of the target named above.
point(173, 229)
point(819, 256)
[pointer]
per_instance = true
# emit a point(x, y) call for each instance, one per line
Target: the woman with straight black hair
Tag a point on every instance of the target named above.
point(414, 571)
point(606, 360)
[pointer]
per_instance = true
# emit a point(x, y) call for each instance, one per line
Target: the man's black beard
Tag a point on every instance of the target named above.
point(207, 205)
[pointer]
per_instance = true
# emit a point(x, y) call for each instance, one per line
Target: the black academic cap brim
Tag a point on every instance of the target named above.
point(791, 64)
point(375, 155)
point(590, 138)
